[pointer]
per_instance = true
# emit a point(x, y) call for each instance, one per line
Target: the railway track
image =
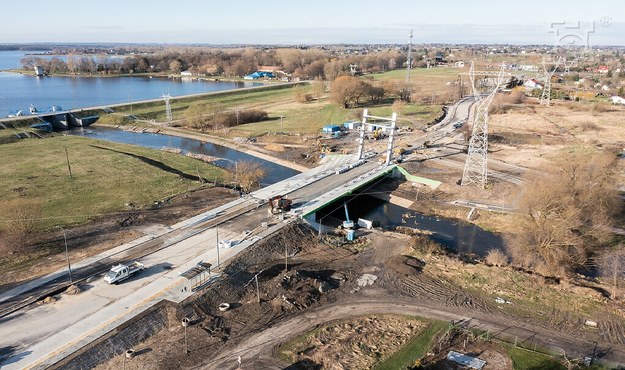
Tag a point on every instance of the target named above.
point(135, 252)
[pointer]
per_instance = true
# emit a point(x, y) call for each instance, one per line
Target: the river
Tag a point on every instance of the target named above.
point(18, 92)
point(457, 236)
point(274, 172)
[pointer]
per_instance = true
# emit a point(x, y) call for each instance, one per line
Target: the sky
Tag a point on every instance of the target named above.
point(313, 22)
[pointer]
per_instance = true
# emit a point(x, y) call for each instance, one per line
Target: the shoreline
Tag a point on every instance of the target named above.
point(240, 90)
point(244, 148)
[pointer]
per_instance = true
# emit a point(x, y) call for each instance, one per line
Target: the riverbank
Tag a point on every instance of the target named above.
point(242, 147)
point(182, 99)
point(29, 72)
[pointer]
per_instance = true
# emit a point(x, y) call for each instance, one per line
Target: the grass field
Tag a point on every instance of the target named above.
point(230, 100)
point(527, 360)
point(424, 79)
point(105, 177)
point(416, 348)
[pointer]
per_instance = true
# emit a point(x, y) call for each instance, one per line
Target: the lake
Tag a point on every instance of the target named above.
point(18, 92)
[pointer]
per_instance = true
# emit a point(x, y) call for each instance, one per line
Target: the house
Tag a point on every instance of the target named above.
point(533, 83)
point(617, 100)
point(459, 64)
point(258, 74)
point(268, 69)
point(186, 74)
point(39, 71)
point(602, 69)
point(528, 68)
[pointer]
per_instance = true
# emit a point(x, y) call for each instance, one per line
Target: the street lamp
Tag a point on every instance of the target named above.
point(185, 323)
point(69, 266)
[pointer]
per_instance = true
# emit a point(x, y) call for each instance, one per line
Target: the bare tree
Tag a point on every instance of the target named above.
point(196, 116)
point(318, 88)
point(248, 175)
point(19, 223)
point(347, 90)
point(611, 265)
point(568, 212)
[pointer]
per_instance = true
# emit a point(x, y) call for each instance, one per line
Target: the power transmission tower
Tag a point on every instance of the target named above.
point(475, 168)
point(168, 107)
point(545, 97)
point(409, 58)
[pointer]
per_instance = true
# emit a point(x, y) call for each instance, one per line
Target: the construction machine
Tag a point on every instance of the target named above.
point(279, 204)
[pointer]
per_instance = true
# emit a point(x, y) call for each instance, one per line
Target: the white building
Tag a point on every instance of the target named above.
point(533, 83)
point(39, 71)
point(617, 100)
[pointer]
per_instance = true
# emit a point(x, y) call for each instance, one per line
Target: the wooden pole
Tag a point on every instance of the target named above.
point(69, 168)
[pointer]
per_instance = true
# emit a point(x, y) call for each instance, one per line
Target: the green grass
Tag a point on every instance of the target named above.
point(527, 360)
point(106, 176)
point(226, 100)
point(415, 349)
point(424, 80)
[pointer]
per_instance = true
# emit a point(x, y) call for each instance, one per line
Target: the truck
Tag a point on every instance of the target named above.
point(279, 204)
point(122, 272)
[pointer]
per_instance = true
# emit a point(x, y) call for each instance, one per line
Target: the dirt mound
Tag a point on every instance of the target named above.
point(275, 147)
point(50, 299)
point(404, 265)
point(73, 289)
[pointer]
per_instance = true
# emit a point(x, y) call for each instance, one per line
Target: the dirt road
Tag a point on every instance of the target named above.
point(257, 350)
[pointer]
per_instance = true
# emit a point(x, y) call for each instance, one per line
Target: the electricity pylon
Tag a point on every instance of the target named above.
point(545, 97)
point(168, 107)
point(476, 166)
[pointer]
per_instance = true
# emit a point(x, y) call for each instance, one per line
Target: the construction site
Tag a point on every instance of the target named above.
point(482, 233)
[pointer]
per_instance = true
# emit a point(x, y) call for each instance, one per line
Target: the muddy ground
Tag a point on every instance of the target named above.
point(322, 284)
point(104, 233)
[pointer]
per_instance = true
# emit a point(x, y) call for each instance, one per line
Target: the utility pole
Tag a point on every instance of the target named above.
point(257, 289)
point(255, 279)
point(281, 123)
point(286, 257)
point(409, 58)
point(69, 267)
point(69, 168)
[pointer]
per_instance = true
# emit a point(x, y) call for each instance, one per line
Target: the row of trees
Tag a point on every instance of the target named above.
point(207, 116)
point(349, 91)
point(305, 64)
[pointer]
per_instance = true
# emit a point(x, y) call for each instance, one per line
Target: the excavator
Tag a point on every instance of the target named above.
point(279, 204)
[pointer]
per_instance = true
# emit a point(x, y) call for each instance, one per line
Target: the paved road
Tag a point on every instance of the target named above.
point(43, 334)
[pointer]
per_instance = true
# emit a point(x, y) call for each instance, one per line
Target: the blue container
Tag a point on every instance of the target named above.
point(351, 234)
